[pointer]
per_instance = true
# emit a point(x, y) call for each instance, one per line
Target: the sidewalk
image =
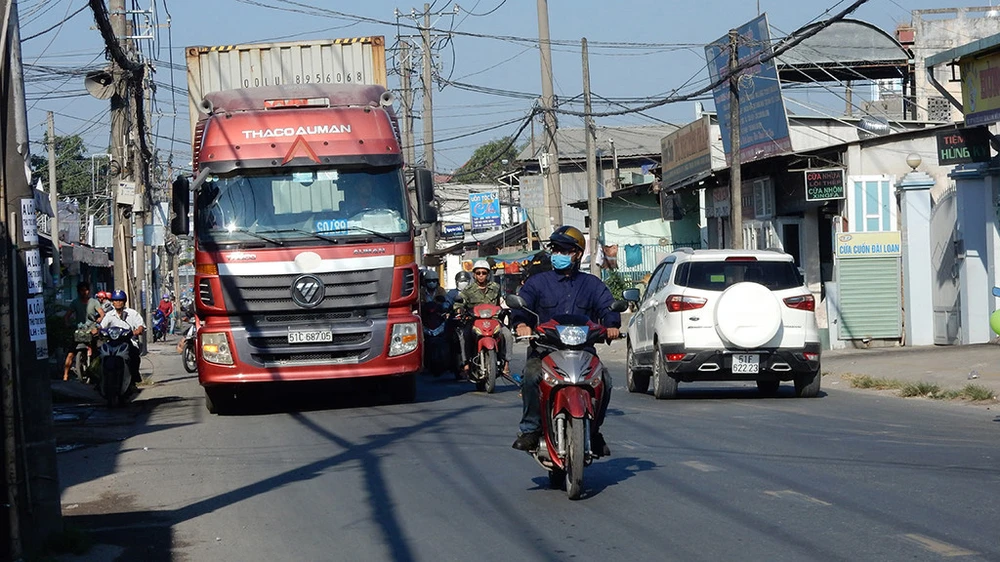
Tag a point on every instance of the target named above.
point(949, 367)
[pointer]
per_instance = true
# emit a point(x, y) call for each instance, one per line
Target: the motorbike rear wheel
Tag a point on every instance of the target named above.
point(489, 359)
point(80, 362)
point(575, 444)
point(190, 359)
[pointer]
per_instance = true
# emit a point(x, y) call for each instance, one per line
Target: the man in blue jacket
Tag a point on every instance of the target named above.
point(563, 290)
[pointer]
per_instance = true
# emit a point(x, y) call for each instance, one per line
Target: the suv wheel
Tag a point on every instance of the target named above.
point(807, 384)
point(664, 385)
point(634, 381)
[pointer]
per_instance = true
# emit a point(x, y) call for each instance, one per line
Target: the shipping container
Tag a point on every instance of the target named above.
point(356, 60)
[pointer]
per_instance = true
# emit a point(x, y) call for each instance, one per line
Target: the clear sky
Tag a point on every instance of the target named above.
point(639, 49)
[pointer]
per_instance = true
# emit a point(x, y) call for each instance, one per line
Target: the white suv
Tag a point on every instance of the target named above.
point(724, 315)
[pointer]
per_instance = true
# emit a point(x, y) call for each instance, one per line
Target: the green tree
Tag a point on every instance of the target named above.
point(73, 166)
point(486, 163)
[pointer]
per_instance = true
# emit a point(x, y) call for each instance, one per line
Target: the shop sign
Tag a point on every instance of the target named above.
point(869, 245)
point(686, 152)
point(981, 89)
point(822, 185)
point(453, 230)
point(962, 146)
point(29, 222)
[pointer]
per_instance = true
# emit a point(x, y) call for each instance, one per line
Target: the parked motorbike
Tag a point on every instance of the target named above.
point(571, 389)
point(486, 363)
point(115, 378)
point(159, 326)
point(434, 316)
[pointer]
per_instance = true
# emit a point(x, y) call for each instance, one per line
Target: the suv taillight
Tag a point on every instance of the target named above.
point(804, 302)
point(678, 303)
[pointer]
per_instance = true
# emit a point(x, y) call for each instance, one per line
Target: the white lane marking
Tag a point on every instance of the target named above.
point(795, 496)
point(937, 547)
point(700, 466)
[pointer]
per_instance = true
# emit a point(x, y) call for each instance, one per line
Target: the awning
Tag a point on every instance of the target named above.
point(72, 253)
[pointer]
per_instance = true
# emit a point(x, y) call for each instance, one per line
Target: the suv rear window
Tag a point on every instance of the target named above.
point(717, 276)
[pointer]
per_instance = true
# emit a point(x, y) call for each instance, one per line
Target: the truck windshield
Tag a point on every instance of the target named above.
point(301, 205)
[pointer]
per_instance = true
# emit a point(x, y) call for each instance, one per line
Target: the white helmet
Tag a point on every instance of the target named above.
point(481, 264)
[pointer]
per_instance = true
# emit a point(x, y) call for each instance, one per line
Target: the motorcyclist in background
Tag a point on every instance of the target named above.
point(430, 286)
point(462, 280)
point(126, 318)
point(563, 290)
point(484, 290)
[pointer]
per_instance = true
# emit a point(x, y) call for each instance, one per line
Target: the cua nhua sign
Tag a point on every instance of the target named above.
point(824, 184)
point(962, 146)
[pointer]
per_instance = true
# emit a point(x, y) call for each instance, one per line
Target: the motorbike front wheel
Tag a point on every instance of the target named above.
point(190, 359)
point(489, 359)
point(575, 445)
point(80, 362)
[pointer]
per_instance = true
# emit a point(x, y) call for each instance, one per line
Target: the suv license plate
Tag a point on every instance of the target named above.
point(310, 336)
point(745, 363)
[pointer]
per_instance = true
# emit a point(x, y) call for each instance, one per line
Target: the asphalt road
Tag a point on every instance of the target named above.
point(335, 473)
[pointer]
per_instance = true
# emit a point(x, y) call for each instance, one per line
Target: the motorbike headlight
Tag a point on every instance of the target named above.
point(215, 348)
point(485, 313)
point(550, 379)
point(573, 335)
point(403, 339)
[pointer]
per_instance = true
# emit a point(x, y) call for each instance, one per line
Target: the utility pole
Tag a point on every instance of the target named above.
point(121, 161)
point(735, 182)
point(54, 203)
point(554, 203)
point(588, 126)
point(407, 102)
point(430, 233)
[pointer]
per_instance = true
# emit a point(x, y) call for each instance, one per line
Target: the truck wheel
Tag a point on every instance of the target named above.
point(664, 385)
point(574, 459)
point(634, 382)
point(405, 390)
point(219, 400)
point(768, 388)
point(807, 384)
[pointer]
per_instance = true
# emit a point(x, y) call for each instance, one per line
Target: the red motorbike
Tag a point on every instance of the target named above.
point(571, 389)
point(486, 363)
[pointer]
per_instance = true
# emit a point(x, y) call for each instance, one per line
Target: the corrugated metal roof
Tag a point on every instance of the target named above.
point(847, 49)
point(629, 141)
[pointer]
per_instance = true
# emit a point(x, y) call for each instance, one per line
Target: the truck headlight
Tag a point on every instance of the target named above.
point(215, 348)
point(404, 339)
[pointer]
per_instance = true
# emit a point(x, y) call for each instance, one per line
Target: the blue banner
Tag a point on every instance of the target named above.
point(484, 210)
point(453, 230)
point(763, 122)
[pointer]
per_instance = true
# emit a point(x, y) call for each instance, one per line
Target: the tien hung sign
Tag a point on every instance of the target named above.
point(962, 146)
point(981, 89)
point(822, 185)
point(869, 245)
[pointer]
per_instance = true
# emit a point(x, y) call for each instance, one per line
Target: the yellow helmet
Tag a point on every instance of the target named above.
point(568, 237)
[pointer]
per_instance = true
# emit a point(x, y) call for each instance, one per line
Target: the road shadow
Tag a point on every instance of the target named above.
point(602, 474)
point(310, 396)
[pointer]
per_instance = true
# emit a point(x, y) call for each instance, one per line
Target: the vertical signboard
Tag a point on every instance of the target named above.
point(981, 89)
point(33, 263)
point(484, 210)
point(763, 122)
point(29, 222)
point(822, 185)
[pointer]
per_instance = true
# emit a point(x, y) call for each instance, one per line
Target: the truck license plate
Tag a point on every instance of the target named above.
point(746, 363)
point(310, 336)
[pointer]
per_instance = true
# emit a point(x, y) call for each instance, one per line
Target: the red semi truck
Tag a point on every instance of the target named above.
point(303, 233)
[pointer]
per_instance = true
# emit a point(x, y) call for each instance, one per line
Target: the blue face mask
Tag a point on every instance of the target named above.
point(561, 261)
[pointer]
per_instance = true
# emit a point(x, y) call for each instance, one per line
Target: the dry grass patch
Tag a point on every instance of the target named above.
point(874, 383)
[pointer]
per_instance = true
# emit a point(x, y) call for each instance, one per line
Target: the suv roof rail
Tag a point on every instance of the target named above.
point(685, 249)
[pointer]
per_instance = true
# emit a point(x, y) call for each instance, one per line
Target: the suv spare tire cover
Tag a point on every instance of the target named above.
point(747, 315)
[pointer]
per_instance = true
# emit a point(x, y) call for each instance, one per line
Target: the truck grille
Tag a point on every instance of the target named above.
point(272, 293)
point(325, 357)
point(269, 342)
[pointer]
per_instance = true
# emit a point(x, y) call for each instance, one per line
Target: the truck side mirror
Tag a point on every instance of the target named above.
point(180, 206)
point(424, 181)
